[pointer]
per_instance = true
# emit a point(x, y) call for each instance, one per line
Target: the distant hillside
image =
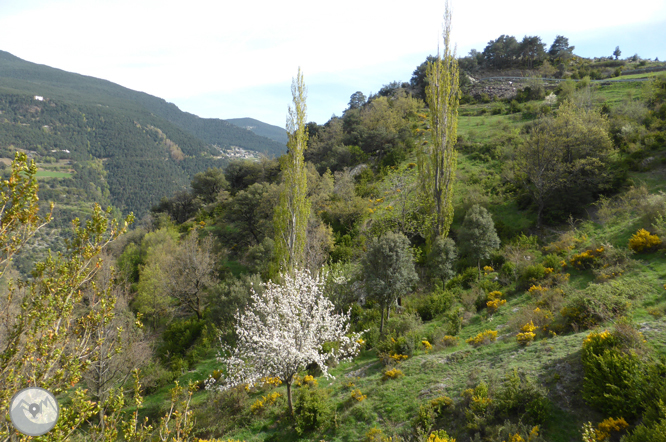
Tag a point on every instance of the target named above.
point(260, 128)
point(26, 77)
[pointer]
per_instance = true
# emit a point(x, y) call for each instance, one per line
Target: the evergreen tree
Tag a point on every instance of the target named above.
point(437, 162)
point(442, 255)
point(389, 269)
point(478, 237)
point(293, 210)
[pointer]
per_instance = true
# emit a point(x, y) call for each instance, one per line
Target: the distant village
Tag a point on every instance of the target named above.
point(235, 152)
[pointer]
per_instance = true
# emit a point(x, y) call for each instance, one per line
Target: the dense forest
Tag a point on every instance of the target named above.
point(528, 306)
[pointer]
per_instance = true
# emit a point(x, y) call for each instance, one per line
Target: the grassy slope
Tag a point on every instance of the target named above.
point(555, 362)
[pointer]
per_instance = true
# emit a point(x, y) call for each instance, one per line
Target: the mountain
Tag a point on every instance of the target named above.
point(113, 145)
point(260, 128)
point(32, 78)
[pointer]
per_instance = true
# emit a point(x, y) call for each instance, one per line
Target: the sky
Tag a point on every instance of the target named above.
point(220, 59)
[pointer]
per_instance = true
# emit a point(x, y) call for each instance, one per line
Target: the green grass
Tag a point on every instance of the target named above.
point(52, 174)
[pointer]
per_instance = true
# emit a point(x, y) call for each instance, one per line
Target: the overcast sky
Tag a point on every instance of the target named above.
point(236, 59)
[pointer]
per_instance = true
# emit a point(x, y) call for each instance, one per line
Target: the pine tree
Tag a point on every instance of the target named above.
point(293, 210)
point(437, 162)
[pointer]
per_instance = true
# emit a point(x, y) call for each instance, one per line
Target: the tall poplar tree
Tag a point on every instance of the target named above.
point(293, 210)
point(437, 161)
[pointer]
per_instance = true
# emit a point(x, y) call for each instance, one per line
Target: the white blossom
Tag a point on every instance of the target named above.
point(283, 330)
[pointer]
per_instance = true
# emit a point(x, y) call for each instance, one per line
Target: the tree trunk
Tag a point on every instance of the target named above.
point(289, 401)
point(381, 325)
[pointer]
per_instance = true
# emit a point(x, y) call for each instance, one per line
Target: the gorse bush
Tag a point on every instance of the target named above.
point(483, 338)
point(614, 381)
point(644, 241)
point(526, 335)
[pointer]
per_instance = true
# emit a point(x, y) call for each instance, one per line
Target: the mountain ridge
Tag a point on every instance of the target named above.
point(28, 77)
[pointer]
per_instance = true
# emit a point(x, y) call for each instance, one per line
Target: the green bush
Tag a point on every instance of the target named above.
point(552, 261)
point(521, 396)
point(508, 269)
point(311, 410)
point(614, 380)
point(434, 304)
point(184, 339)
point(497, 108)
point(533, 273)
point(593, 306)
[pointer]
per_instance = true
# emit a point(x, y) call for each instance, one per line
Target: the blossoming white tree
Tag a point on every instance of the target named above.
point(283, 330)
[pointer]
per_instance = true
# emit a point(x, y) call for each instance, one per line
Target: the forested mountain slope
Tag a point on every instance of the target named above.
point(23, 76)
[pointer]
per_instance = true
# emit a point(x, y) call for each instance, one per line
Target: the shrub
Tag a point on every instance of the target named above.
point(497, 108)
point(312, 409)
point(392, 373)
point(521, 396)
point(358, 396)
point(495, 301)
point(592, 306)
point(483, 338)
point(643, 241)
point(439, 436)
point(455, 319)
point(450, 341)
point(552, 261)
point(587, 259)
point(613, 380)
point(260, 404)
point(434, 304)
point(534, 272)
point(527, 334)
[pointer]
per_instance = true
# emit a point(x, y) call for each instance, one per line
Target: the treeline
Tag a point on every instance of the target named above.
point(507, 52)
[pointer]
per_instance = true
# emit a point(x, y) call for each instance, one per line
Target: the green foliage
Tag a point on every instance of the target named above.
point(208, 185)
point(522, 397)
point(614, 375)
point(478, 238)
point(593, 306)
point(183, 340)
point(312, 409)
point(441, 259)
point(293, 210)
point(437, 163)
point(533, 273)
point(389, 269)
point(434, 304)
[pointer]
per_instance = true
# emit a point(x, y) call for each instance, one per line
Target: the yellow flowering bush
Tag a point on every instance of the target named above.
point(357, 395)
point(259, 405)
point(439, 436)
point(643, 241)
point(495, 301)
point(534, 434)
point(483, 338)
point(310, 380)
point(376, 435)
point(273, 381)
point(426, 345)
point(488, 269)
point(393, 373)
point(527, 334)
point(537, 290)
point(587, 259)
point(603, 431)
